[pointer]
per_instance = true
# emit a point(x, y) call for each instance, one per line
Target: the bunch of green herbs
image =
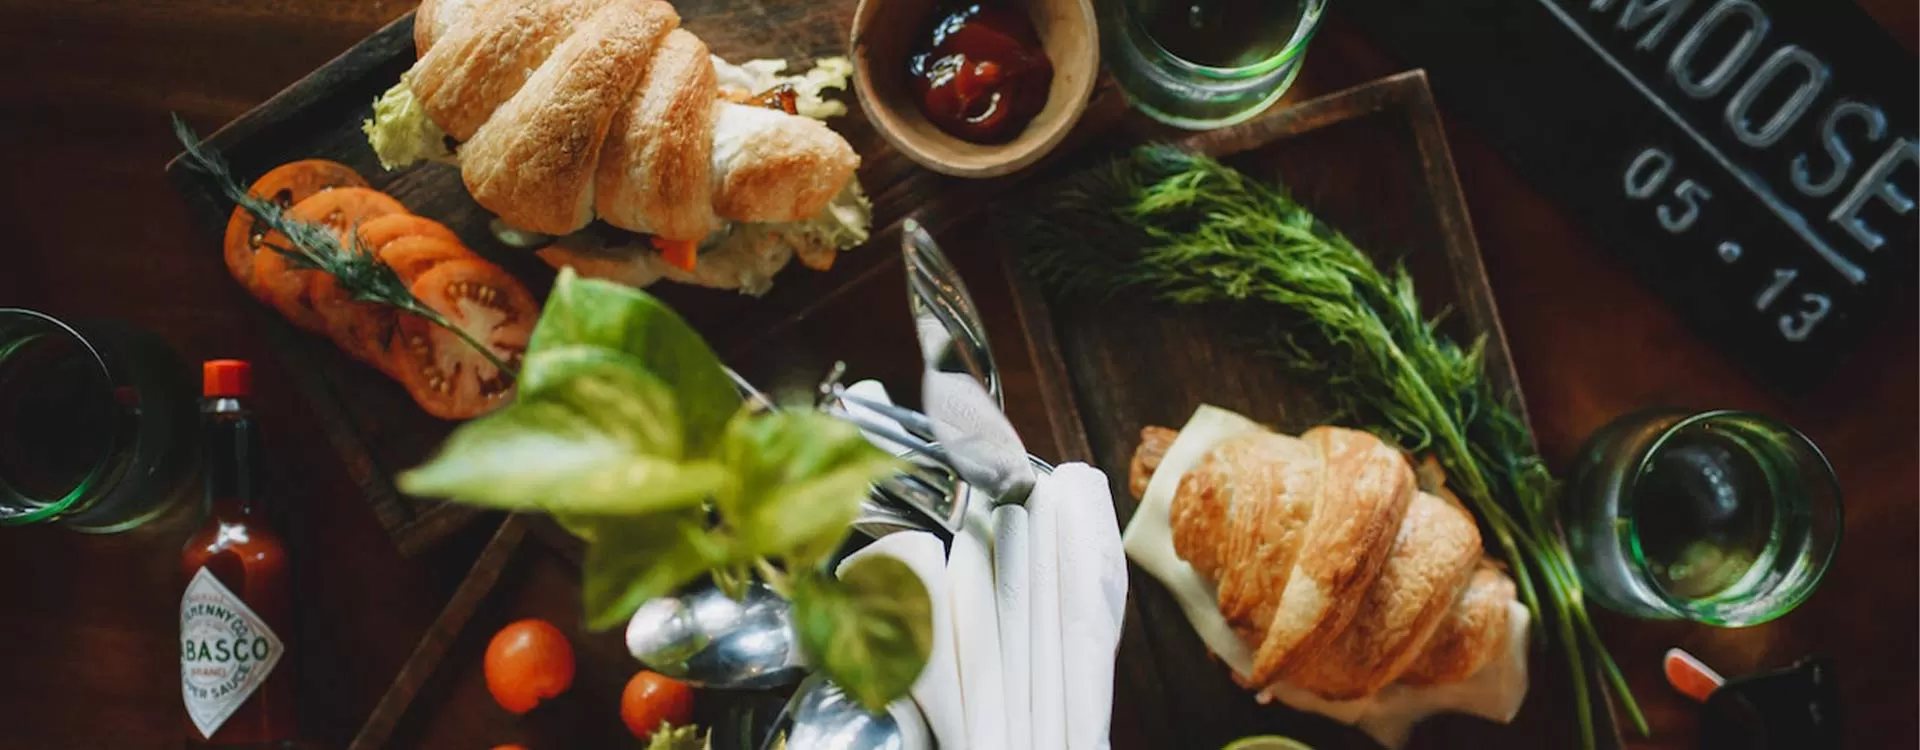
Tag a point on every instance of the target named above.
point(629, 433)
point(1191, 231)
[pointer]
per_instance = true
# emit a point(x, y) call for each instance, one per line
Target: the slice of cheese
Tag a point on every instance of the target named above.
point(1495, 692)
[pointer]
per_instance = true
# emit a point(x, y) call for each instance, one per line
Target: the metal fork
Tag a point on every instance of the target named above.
point(921, 500)
point(1004, 474)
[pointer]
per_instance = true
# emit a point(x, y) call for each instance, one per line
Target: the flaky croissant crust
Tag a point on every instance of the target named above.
point(568, 109)
point(1335, 569)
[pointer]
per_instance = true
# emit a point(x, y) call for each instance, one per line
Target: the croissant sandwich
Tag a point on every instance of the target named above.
point(1332, 578)
point(1333, 567)
point(605, 125)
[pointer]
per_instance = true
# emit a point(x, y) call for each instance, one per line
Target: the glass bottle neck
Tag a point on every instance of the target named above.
point(229, 441)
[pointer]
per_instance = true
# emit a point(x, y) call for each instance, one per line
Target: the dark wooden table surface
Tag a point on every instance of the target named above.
point(87, 625)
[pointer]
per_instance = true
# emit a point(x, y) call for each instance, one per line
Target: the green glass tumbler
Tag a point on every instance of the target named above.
point(97, 424)
point(1728, 518)
point(1201, 64)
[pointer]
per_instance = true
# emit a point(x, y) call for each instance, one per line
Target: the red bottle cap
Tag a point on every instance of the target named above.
point(226, 378)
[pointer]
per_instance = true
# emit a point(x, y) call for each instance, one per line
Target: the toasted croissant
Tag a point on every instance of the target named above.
point(571, 108)
point(1470, 634)
point(1337, 572)
point(1363, 501)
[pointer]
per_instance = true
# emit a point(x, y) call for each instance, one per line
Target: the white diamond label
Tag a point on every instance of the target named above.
point(226, 652)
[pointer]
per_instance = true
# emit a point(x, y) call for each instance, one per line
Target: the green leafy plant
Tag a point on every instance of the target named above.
point(628, 432)
point(1189, 230)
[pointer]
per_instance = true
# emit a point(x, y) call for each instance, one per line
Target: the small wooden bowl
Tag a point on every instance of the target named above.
point(885, 32)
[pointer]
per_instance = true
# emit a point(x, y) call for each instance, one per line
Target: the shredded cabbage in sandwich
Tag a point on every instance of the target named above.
point(401, 135)
point(400, 131)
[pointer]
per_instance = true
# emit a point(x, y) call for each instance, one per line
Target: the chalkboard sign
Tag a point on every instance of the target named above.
point(1756, 162)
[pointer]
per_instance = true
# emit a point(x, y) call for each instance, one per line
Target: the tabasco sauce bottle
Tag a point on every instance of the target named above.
point(235, 613)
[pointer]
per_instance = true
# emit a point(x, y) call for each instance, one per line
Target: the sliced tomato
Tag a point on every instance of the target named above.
point(376, 233)
point(286, 185)
point(412, 256)
point(342, 209)
point(365, 330)
point(681, 254)
point(282, 280)
point(283, 284)
point(446, 375)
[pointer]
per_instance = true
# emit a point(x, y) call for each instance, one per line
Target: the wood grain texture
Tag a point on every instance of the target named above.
point(432, 648)
point(95, 228)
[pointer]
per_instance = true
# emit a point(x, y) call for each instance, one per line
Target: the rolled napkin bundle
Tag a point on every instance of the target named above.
point(1323, 577)
point(1013, 597)
point(1046, 674)
point(1093, 595)
point(1028, 606)
point(976, 629)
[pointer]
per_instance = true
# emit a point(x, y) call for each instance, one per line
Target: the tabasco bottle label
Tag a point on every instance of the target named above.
point(226, 652)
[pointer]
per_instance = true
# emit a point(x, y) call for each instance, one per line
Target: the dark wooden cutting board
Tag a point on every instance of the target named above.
point(777, 339)
point(1371, 161)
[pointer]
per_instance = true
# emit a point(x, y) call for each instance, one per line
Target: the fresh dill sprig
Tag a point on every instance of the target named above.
point(360, 273)
point(1190, 230)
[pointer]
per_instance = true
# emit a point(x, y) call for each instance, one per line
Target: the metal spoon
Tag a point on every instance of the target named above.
point(704, 638)
point(823, 717)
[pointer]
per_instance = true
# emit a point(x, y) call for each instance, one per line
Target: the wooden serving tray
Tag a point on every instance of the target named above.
point(1373, 162)
point(785, 338)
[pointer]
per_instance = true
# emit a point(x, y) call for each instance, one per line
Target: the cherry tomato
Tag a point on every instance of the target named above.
point(652, 699)
point(528, 662)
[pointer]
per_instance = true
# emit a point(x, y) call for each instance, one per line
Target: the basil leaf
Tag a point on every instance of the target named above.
point(595, 313)
point(870, 631)
point(555, 365)
point(799, 480)
point(637, 558)
point(603, 440)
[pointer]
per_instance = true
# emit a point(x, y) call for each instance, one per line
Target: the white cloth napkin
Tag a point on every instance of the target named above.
point(1092, 572)
point(1012, 578)
point(983, 445)
point(938, 688)
point(976, 626)
point(1047, 671)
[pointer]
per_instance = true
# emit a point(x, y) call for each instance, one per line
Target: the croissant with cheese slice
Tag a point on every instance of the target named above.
point(1339, 574)
point(564, 111)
